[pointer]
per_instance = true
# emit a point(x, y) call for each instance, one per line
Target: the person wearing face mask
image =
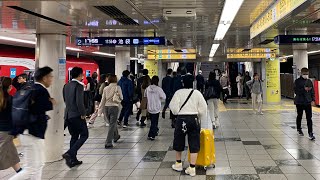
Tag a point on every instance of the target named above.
point(304, 100)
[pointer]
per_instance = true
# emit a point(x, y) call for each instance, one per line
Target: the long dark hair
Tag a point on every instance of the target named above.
point(146, 82)
point(5, 83)
point(212, 76)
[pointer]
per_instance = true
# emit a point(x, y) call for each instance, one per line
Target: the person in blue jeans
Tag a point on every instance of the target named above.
point(127, 91)
point(154, 94)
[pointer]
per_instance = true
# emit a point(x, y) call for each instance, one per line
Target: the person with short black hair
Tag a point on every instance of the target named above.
point(246, 88)
point(127, 91)
point(154, 94)
point(304, 100)
point(167, 88)
point(22, 80)
point(190, 108)
point(75, 116)
point(33, 139)
point(200, 81)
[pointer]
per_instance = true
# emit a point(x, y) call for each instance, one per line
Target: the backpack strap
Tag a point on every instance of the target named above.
point(185, 102)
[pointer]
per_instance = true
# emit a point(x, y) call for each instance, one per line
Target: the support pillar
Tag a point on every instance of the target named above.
point(122, 60)
point(300, 58)
point(51, 51)
point(271, 85)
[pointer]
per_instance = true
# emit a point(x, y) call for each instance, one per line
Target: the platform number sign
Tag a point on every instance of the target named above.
point(13, 72)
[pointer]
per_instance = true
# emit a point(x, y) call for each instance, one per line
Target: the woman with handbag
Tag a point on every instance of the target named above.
point(111, 99)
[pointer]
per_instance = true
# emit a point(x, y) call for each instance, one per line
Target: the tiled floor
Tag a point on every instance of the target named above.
point(248, 147)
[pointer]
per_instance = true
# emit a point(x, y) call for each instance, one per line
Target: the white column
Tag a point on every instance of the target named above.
point(300, 58)
point(51, 51)
point(122, 60)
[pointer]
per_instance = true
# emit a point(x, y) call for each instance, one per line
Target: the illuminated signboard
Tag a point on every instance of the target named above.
point(289, 39)
point(254, 50)
point(172, 51)
point(251, 56)
point(172, 56)
point(121, 41)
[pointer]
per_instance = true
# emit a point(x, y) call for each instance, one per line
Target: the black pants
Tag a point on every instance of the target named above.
point(247, 91)
point(154, 125)
point(125, 111)
point(166, 105)
point(200, 88)
point(79, 134)
point(308, 109)
point(225, 94)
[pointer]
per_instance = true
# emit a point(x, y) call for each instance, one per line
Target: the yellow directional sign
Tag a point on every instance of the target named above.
point(172, 51)
point(254, 50)
point(251, 56)
point(172, 56)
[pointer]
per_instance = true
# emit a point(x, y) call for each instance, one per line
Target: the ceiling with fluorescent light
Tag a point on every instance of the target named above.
point(90, 18)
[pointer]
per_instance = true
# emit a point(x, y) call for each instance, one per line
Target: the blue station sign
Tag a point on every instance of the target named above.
point(120, 41)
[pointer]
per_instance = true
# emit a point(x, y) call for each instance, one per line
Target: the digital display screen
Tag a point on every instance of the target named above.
point(120, 41)
point(289, 39)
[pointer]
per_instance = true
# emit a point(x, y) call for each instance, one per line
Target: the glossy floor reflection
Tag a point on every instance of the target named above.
point(248, 147)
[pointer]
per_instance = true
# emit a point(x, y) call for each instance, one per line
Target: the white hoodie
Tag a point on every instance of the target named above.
point(154, 95)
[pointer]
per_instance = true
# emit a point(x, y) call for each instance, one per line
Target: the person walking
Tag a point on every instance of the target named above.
point(213, 99)
point(190, 108)
point(144, 101)
point(225, 84)
point(111, 109)
point(167, 88)
point(200, 81)
point(75, 116)
point(246, 88)
point(127, 92)
point(239, 81)
point(255, 86)
point(9, 154)
point(304, 100)
point(154, 94)
point(33, 134)
point(145, 73)
point(177, 84)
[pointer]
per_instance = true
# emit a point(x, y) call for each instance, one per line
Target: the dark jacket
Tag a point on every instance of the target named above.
point(303, 97)
point(139, 83)
point(216, 85)
point(73, 96)
point(177, 83)
point(24, 86)
point(127, 89)
point(5, 115)
point(245, 80)
point(167, 86)
point(41, 105)
point(200, 80)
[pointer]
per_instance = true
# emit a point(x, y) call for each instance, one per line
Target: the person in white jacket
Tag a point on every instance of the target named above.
point(154, 94)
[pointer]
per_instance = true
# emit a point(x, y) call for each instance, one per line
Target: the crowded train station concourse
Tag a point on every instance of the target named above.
point(159, 89)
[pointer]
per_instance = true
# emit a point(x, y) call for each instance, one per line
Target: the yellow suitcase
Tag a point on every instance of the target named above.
point(206, 155)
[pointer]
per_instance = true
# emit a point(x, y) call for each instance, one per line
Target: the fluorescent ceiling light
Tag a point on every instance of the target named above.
point(313, 52)
point(229, 12)
point(73, 49)
point(134, 58)
point(104, 54)
point(213, 50)
point(16, 40)
point(210, 59)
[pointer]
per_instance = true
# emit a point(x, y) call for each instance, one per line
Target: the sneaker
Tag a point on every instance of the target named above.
point(108, 146)
point(143, 125)
point(177, 167)
point(311, 137)
point(151, 138)
point(260, 113)
point(191, 171)
point(107, 124)
point(163, 114)
point(119, 123)
point(300, 133)
point(116, 139)
point(90, 125)
point(138, 123)
point(124, 126)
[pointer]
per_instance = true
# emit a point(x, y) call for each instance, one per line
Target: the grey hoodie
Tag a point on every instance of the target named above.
point(154, 95)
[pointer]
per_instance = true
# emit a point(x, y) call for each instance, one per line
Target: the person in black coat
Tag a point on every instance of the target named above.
point(305, 97)
point(200, 81)
point(167, 88)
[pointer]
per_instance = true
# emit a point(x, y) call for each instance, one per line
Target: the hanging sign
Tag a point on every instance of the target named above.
point(13, 72)
point(121, 41)
point(62, 68)
point(289, 39)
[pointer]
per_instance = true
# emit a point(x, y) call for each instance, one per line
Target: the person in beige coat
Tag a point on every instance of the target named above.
point(144, 101)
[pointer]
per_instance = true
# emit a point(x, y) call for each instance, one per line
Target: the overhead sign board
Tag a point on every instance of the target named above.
point(251, 56)
point(289, 39)
point(253, 50)
point(120, 41)
point(277, 11)
point(172, 56)
point(172, 51)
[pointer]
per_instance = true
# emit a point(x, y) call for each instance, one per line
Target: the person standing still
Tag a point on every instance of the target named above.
point(304, 101)
point(246, 88)
point(75, 116)
point(32, 136)
point(167, 88)
point(239, 81)
point(154, 94)
point(255, 86)
point(200, 81)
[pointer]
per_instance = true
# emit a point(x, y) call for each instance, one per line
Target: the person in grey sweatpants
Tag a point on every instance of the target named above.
point(111, 106)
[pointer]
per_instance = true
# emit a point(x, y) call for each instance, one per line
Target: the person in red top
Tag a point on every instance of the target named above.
point(13, 91)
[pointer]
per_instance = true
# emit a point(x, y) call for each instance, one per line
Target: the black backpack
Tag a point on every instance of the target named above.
point(21, 105)
point(210, 93)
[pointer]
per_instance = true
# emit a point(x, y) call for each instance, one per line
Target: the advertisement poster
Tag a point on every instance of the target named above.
point(152, 67)
point(62, 68)
point(273, 81)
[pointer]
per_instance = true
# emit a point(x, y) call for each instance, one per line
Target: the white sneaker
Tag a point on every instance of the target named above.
point(260, 113)
point(191, 171)
point(107, 124)
point(177, 167)
point(90, 125)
